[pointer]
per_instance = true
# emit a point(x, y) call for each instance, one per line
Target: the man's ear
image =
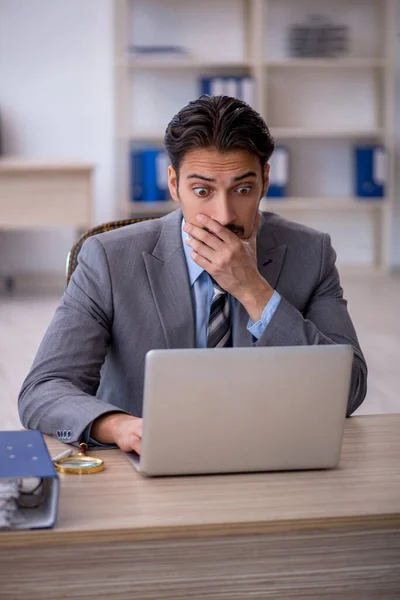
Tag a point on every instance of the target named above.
point(173, 183)
point(266, 179)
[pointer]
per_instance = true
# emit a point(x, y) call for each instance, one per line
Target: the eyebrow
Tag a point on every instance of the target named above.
point(238, 178)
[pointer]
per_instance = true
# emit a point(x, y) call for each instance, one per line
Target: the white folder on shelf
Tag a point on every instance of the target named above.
point(248, 90)
point(217, 86)
point(231, 87)
point(279, 167)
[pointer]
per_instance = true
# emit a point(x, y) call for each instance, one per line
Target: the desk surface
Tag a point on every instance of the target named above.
point(119, 504)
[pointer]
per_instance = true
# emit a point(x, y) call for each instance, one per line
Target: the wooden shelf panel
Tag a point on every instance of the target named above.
point(320, 204)
point(177, 64)
point(147, 138)
point(287, 133)
point(271, 205)
point(325, 63)
point(137, 209)
point(306, 133)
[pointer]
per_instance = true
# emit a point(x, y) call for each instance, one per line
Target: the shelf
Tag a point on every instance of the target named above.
point(326, 63)
point(271, 205)
point(139, 63)
point(147, 138)
point(157, 64)
point(306, 133)
point(286, 133)
point(331, 204)
point(137, 209)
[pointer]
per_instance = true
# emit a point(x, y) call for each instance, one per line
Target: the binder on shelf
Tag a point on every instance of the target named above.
point(248, 91)
point(212, 86)
point(29, 484)
point(216, 86)
point(242, 88)
point(370, 171)
point(232, 87)
point(279, 173)
point(149, 175)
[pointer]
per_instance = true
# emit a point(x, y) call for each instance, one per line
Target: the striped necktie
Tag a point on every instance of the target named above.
point(219, 324)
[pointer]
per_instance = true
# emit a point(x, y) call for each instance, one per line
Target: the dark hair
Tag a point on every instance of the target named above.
point(218, 122)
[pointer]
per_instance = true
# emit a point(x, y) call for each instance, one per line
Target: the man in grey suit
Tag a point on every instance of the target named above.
point(214, 273)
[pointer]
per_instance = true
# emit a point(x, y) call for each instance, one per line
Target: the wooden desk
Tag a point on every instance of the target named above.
point(322, 534)
point(38, 195)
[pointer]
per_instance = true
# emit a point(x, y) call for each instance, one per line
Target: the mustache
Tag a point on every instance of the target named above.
point(237, 229)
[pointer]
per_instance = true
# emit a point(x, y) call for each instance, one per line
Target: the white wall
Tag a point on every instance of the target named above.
point(56, 101)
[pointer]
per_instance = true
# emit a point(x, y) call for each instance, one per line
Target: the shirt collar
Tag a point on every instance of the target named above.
point(193, 268)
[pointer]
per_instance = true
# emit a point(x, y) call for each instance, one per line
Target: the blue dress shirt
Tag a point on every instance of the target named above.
point(202, 294)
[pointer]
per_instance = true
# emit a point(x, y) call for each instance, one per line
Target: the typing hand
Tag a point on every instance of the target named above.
point(118, 428)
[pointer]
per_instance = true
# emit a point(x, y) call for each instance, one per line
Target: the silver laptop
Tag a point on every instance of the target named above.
point(243, 409)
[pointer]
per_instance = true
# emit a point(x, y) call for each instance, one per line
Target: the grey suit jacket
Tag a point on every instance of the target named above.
point(130, 293)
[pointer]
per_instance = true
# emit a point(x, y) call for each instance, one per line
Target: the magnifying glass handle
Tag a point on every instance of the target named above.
point(83, 447)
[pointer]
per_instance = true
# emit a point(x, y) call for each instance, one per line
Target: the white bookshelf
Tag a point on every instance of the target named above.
point(318, 108)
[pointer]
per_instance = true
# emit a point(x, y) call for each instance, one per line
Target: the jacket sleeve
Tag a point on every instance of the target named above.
point(59, 393)
point(324, 321)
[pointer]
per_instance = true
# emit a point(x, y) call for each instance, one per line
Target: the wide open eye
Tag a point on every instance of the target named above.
point(201, 191)
point(244, 190)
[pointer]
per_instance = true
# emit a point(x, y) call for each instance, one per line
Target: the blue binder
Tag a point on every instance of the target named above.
point(370, 171)
point(23, 455)
point(149, 168)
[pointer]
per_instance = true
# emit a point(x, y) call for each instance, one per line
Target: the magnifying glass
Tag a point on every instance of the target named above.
point(80, 464)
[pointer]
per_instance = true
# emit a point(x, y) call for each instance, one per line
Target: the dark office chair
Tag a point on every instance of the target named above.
point(72, 258)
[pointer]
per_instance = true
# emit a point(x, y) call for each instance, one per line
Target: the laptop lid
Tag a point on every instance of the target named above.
point(244, 409)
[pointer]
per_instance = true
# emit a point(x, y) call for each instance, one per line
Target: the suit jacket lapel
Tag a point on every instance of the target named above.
point(270, 257)
point(169, 281)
